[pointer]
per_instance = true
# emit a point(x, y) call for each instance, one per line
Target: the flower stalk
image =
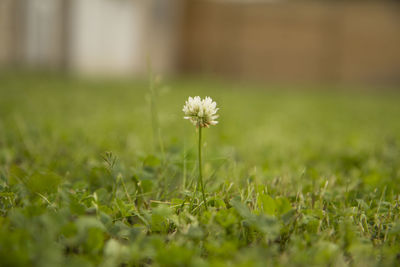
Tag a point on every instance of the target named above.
point(200, 171)
point(202, 113)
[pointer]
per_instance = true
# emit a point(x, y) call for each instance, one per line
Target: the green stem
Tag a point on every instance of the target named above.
point(200, 170)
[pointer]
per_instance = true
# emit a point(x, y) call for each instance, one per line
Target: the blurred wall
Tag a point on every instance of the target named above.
point(5, 31)
point(106, 36)
point(116, 37)
point(10, 44)
point(31, 33)
point(291, 41)
point(43, 35)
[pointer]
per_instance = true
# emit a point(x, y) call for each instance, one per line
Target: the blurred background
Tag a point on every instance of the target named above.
point(320, 41)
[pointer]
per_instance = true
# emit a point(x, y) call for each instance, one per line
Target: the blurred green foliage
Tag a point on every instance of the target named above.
point(293, 178)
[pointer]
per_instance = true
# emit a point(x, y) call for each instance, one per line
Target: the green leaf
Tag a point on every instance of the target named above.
point(86, 222)
point(46, 182)
point(151, 161)
point(282, 205)
point(94, 240)
point(115, 250)
point(146, 185)
point(16, 175)
point(122, 207)
point(241, 208)
point(159, 219)
point(268, 204)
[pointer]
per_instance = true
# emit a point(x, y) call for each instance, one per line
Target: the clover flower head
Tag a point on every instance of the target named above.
point(201, 112)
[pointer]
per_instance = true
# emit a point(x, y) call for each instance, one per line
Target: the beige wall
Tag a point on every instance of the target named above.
point(8, 27)
point(32, 33)
point(121, 37)
point(43, 23)
point(107, 36)
point(294, 41)
point(312, 41)
point(116, 37)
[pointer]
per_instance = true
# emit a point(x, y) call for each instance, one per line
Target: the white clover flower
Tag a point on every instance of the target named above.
point(202, 113)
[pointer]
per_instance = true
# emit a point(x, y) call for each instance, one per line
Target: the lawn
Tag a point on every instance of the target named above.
point(103, 173)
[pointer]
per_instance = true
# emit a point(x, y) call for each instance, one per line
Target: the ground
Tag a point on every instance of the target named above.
point(103, 173)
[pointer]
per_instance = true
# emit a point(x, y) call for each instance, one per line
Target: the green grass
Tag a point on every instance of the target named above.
point(89, 177)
